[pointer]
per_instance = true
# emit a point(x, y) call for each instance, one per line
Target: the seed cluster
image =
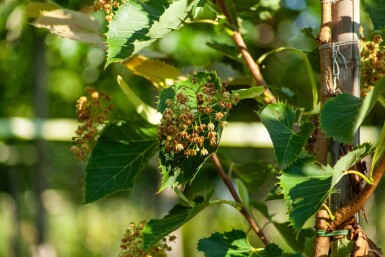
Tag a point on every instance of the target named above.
point(109, 6)
point(93, 111)
point(132, 243)
point(372, 63)
point(190, 121)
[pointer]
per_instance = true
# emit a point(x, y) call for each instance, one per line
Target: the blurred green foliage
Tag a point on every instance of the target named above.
point(42, 76)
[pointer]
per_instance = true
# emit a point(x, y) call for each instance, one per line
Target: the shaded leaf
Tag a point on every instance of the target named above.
point(249, 92)
point(376, 11)
point(256, 10)
point(272, 250)
point(305, 186)
point(258, 177)
point(228, 244)
point(296, 242)
point(341, 116)
point(155, 71)
point(157, 229)
point(243, 192)
point(147, 112)
point(380, 148)
point(348, 160)
point(235, 244)
point(309, 33)
point(342, 247)
point(118, 157)
point(279, 120)
point(137, 25)
point(262, 208)
point(197, 8)
point(73, 25)
point(230, 51)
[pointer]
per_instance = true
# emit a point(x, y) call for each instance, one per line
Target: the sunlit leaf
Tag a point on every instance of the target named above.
point(118, 157)
point(306, 185)
point(279, 120)
point(341, 116)
point(156, 229)
point(73, 25)
point(137, 25)
point(155, 71)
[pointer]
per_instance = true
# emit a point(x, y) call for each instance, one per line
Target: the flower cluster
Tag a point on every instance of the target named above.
point(189, 123)
point(108, 6)
point(372, 63)
point(93, 112)
point(132, 243)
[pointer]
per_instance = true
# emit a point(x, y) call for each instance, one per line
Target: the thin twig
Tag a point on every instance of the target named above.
point(251, 64)
point(253, 224)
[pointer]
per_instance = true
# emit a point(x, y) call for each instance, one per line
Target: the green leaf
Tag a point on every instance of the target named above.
point(305, 186)
point(380, 149)
point(258, 177)
point(341, 116)
point(296, 242)
point(309, 33)
point(118, 157)
point(177, 166)
point(156, 229)
point(272, 250)
point(376, 11)
point(249, 93)
point(147, 112)
point(155, 71)
point(348, 160)
point(197, 8)
point(279, 120)
point(73, 25)
point(230, 51)
point(243, 192)
point(235, 244)
point(256, 10)
point(342, 247)
point(137, 25)
point(228, 244)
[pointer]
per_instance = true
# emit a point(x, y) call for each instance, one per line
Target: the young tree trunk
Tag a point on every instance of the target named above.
point(340, 73)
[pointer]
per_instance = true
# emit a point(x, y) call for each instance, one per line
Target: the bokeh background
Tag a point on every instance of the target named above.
point(42, 76)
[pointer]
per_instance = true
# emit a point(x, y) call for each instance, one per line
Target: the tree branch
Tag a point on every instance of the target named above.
point(322, 244)
point(348, 210)
point(253, 224)
point(251, 64)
